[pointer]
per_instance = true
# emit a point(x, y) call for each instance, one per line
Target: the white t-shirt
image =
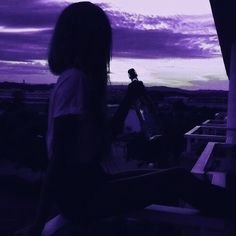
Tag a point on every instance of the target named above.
point(67, 97)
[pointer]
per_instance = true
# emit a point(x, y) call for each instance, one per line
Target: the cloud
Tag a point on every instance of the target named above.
point(28, 26)
point(163, 44)
point(28, 67)
point(155, 36)
point(24, 46)
point(25, 29)
point(28, 13)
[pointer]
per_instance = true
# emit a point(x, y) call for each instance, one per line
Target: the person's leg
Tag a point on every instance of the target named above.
point(115, 196)
point(127, 194)
point(137, 192)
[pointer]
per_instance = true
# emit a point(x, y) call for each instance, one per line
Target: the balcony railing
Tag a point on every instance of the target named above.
point(199, 136)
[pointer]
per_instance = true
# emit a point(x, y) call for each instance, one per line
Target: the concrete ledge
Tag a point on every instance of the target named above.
point(179, 216)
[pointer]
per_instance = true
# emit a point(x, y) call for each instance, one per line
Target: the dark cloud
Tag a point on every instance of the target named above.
point(24, 46)
point(28, 13)
point(17, 14)
point(157, 37)
point(160, 44)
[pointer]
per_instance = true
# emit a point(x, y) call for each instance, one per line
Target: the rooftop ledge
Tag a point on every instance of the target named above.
point(216, 160)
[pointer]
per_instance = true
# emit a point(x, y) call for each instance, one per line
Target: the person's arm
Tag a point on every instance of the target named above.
point(117, 121)
point(65, 145)
point(67, 133)
point(151, 106)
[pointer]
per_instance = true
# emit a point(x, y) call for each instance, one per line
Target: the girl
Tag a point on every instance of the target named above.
point(79, 136)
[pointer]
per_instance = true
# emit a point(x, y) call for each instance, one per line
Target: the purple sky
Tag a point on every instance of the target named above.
point(149, 31)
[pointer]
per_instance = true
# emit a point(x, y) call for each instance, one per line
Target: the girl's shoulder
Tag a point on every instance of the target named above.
point(68, 94)
point(71, 79)
point(71, 75)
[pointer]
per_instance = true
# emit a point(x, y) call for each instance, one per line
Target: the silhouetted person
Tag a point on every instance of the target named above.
point(78, 136)
point(136, 98)
point(144, 103)
point(143, 144)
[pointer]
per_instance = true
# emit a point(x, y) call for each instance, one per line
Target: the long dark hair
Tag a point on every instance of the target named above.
point(82, 39)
